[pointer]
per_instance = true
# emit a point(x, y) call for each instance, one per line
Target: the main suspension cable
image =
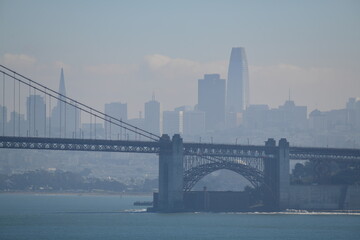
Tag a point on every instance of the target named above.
point(83, 107)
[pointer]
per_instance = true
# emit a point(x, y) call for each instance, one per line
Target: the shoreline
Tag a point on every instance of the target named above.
point(100, 193)
point(354, 212)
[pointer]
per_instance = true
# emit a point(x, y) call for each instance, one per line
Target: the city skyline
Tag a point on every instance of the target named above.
point(206, 119)
point(205, 93)
point(285, 50)
point(257, 110)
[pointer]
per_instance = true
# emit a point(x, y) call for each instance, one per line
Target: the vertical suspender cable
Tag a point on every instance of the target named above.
point(19, 111)
point(35, 130)
point(80, 123)
point(60, 117)
point(3, 106)
point(29, 109)
point(65, 119)
point(84, 107)
point(95, 127)
point(50, 116)
point(105, 128)
point(90, 124)
point(14, 105)
point(45, 112)
point(75, 125)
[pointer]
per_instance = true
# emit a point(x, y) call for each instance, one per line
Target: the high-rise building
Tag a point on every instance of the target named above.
point(17, 125)
point(293, 117)
point(353, 109)
point(35, 116)
point(65, 118)
point(286, 117)
point(237, 96)
point(118, 111)
point(3, 120)
point(57, 115)
point(172, 122)
point(152, 116)
point(194, 123)
point(211, 100)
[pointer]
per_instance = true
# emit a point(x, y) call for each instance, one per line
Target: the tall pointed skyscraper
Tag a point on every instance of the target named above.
point(58, 112)
point(62, 89)
point(237, 96)
point(64, 117)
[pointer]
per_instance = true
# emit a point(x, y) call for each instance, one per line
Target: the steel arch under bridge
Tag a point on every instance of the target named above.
point(197, 167)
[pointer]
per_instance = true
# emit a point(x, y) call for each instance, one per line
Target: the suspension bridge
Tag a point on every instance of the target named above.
point(50, 120)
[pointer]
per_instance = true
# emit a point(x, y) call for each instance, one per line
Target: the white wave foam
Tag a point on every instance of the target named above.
point(299, 212)
point(134, 210)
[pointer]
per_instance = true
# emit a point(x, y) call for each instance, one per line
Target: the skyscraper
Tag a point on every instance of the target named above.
point(116, 110)
point(211, 100)
point(172, 122)
point(237, 96)
point(65, 118)
point(57, 115)
point(194, 123)
point(3, 120)
point(152, 116)
point(35, 115)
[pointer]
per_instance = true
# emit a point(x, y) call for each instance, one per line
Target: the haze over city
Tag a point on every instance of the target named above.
point(209, 119)
point(126, 51)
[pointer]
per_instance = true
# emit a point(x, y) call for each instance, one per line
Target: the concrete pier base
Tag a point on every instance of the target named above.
point(170, 197)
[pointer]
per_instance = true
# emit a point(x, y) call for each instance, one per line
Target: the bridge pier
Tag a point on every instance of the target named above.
point(270, 176)
point(284, 174)
point(277, 175)
point(170, 196)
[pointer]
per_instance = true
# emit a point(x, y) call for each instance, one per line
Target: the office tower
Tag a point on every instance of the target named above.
point(256, 116)
point(286, 117)
point(317, 121)
point(194, 123)
point(172, 122)
point(118, 111)
point(292, 116)
point(3, 121)
point(35, 116)
point(211, 100)
point(237, 96)
point(233, 119)
point(152, 116)
point(65, 118)
point(17, 125)
point(353, 109)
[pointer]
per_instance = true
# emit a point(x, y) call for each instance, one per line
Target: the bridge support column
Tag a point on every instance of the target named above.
point(164, 156)
point(277, 176)
point(284, 174)
point(170, 198)
point(271, 176)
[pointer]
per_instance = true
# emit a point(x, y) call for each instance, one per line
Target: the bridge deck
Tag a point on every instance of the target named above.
point(198, 149)
point(304, 153)
point(79, 144)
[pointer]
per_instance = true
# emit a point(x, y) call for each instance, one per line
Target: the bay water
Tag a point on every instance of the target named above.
point(46, 216)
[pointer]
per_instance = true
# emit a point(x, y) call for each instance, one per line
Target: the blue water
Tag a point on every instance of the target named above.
point(24, 216)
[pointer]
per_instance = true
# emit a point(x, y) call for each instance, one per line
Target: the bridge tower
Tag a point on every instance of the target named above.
point(277, 174)
point(171, 177)
point(284, 173)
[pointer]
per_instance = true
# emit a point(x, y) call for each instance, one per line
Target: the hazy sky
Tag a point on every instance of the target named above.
point(125, 50)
